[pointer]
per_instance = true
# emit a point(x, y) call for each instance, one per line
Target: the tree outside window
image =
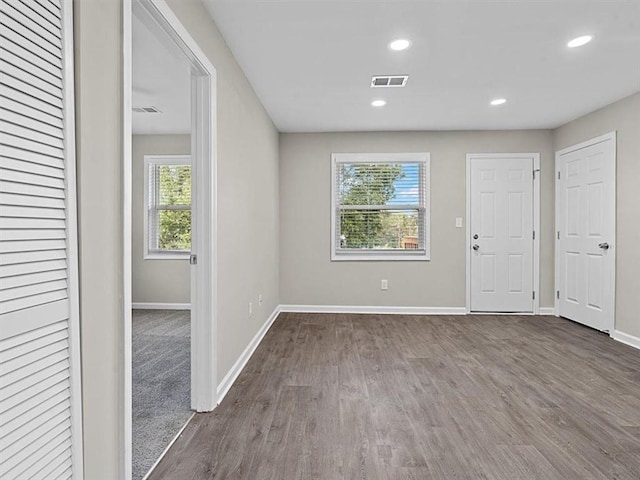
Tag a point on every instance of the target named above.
point(380, 205)
point(168, 206)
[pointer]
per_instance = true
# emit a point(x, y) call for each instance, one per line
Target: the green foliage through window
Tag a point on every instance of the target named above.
point(379, 205)
point(170, 207)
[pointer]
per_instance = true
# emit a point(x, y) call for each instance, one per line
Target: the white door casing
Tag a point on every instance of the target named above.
point(40, 393)
point(585, 232)
point(502, 249)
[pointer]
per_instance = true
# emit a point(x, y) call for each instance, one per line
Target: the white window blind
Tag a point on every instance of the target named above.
point(380, 206)
point(168, 206)
point(40, 429)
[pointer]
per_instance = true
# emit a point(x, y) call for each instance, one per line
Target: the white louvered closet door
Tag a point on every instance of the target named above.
point(40, 414)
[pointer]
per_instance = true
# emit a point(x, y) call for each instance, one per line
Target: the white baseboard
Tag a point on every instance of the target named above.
point(626, 339)
point(380, 310)
point(373, 310)
point(232, 375)
point(161, 306)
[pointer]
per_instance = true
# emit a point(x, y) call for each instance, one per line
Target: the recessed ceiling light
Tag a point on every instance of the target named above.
point(400, 44)
point(580, 41)
point(378, 103)
point(498, 101)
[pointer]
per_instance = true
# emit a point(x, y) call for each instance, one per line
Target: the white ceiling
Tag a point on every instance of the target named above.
point(161, 78)
point(311, 62)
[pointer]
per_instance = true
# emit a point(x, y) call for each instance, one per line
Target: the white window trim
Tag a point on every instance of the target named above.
point(161, 160)
point(379, 255)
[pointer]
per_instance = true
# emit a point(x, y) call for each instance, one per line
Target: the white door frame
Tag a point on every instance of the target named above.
point(157, 16)
point(75, 354)
point(611, 136)
point(535, 157)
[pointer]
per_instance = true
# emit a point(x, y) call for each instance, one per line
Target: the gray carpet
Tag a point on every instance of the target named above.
point(161, 382)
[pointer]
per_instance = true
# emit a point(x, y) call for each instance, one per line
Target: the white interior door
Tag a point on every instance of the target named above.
point(40, 411)
point(501, 229)
point(585, 217)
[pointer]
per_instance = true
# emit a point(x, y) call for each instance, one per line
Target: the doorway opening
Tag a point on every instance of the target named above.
point(170, 256)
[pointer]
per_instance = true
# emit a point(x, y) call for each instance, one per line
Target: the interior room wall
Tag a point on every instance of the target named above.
point(308, 277)
point(624, 118)
point(98, 61)
point(247, 193)
point(154, 280)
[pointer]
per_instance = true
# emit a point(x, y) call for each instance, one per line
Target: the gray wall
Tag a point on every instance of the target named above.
point(247, 214)
point(99, 141)
point(247, 194)
point(623, 117)
point(308, 277)
point(154, 281)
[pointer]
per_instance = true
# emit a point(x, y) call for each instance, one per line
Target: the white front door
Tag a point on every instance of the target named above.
point(585, 218)
point(501, 229)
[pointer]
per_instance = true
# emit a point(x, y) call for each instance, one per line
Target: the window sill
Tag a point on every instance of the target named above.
point(375, 257)
point(167, 256)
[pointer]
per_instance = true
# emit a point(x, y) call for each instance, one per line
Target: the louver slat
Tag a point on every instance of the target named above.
point(39, 436)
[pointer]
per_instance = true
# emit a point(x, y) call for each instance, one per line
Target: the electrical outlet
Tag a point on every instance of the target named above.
point(458, 222)
point(384, 285)
point(260, 300)
point(250, 309)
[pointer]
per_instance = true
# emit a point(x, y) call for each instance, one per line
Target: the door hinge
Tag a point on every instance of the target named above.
point(534, 295)
point(558, 175)
point(558, 234)
point(558, 294)
point(534, 234)
point(193, 259)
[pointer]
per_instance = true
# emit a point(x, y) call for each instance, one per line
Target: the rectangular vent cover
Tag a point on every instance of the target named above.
point(146, 110)
point(378, 81)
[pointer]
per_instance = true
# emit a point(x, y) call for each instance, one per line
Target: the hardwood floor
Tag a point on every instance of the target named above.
point(330, 396)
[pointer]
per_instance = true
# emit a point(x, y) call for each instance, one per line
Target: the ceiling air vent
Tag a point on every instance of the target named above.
point(146, 110)
point(378, 81)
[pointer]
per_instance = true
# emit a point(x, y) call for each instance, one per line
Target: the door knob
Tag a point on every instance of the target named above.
point(604, 246)
point(476, 247)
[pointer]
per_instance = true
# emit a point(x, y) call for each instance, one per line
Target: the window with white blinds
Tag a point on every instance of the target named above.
point(40, 422)
point(167, 206)
point(380, 206)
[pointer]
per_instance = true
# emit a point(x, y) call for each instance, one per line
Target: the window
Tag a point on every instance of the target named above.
point(380, 206)
point(168, 206)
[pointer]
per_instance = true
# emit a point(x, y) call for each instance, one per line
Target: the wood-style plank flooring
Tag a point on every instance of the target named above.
point(330, 396)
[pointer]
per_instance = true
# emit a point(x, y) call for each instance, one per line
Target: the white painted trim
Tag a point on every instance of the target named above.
point(164, 452)
point(547, 311)
point(231, 376)
point(160, 306)
point(159, 18)
point(204, 278)
point(588, 143)
point(535, 158)
point(160, 160)
point(382, 255)
point(536, 229)
point(626, 339)
point(373, 310)
point(126, 470)
point(77, 456)
point(611, 136)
